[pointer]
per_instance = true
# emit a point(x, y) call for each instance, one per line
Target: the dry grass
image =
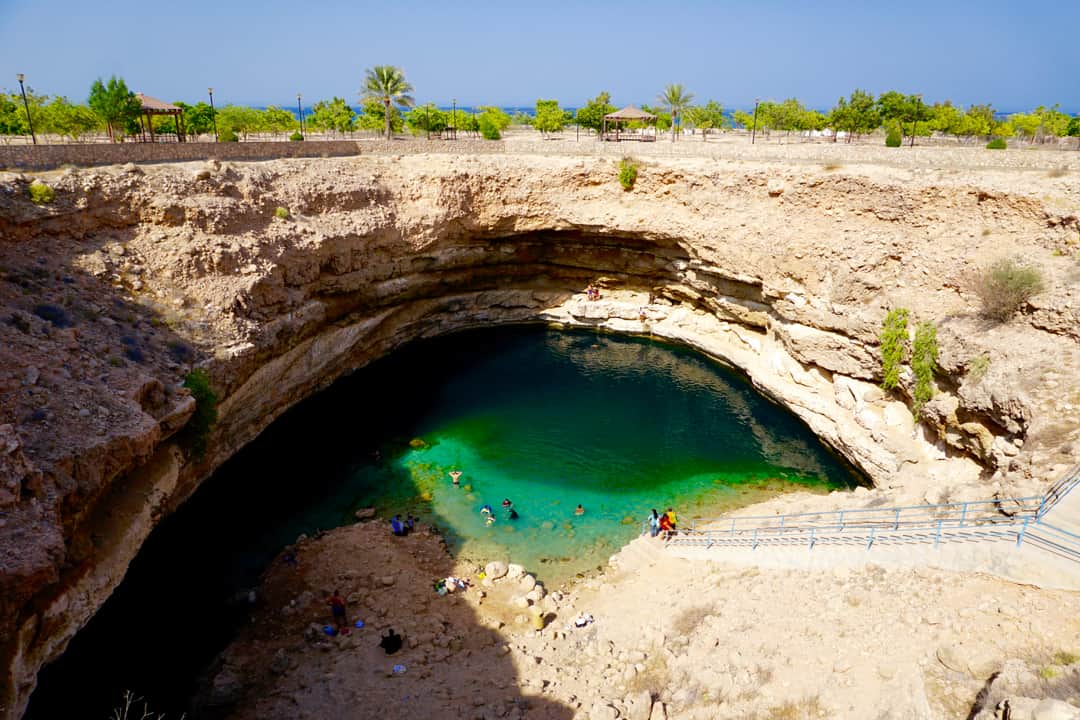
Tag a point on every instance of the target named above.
point(829, 167)
point(688, 620)
point(654, 679)
point(1058, 172)
point(809, 708)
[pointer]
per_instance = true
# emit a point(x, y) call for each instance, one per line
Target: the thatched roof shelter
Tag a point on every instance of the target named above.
point(152, 106)
point(630, 113)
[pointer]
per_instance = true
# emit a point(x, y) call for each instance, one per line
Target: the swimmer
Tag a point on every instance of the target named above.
point(490, 519)
point(486, 510)
point(513, 514)
point(455, 475)
point(507, 503)
point(579, 510)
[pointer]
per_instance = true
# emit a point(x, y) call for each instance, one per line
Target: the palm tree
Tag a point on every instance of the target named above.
point(677, 99)
point(388, 84)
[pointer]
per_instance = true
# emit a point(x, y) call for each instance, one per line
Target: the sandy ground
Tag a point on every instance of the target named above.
point(670, 639)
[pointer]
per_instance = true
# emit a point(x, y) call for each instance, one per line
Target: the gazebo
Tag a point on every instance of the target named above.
point(153, 106)
point(629, 113)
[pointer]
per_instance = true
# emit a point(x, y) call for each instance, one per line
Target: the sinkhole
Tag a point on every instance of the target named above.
point(547, 419)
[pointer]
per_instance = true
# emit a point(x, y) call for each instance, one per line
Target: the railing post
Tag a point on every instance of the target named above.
point(840, 525)
point(812, 538)
point(963, 514)
point(755, 539)
point(782, 519)
point(732, 526)
point(1042, 506)
point(896, 520)
point(1020, 536)
point(708, 539)
point(871, 541)
point(937, 535)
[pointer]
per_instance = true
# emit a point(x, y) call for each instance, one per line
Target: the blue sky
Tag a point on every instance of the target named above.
point(1013, 55)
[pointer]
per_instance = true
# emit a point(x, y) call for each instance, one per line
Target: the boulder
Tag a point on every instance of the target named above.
point(1051, 709)
point(495, 569)
point(638, 706)
point(514, 571)
point(528, 582)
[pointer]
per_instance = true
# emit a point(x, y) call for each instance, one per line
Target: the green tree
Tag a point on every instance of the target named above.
point(373, 117)
point(677, 99)
point(64, 118)
point(856, 115)
point(492, 121)
point(239, 119)
point(117, 106)
point(427, 118)
point(591, 116)
point(198, 119)
point(279, 120)
point(335, 115)
point(709, 116)
point(387, 84)
point(12, 117)
point(549, 116)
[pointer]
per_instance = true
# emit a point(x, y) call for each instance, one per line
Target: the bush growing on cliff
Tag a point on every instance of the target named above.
point(627, 173)
point(197, 430)
point(296, 137)
point(1005, 286)
point(924, 358)
point(997, 144)
point(894, 335)
point(40, 193)
point(228, 134)
point(281, 212)
point(893, 139)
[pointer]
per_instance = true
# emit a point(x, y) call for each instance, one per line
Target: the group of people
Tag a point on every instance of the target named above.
point(402, 528)
point(508, 509)
point(592, 292)
point(666, 523)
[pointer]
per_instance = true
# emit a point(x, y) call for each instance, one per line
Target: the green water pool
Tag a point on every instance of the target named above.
point(551, 420)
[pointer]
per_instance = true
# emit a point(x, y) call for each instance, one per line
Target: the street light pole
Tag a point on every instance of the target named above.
point(427, 119)
point(26, 106)
point(454, 102)
point(300, 112)
point(753, 133)
point(213, 114)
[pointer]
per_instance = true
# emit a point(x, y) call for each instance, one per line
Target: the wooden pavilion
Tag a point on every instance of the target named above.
point(153, 106)
point(629, 113)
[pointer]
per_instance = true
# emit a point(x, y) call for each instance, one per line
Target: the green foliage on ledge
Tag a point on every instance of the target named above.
point(924, 357)
point(197, 430)
point(894, 335)
point(627, 173)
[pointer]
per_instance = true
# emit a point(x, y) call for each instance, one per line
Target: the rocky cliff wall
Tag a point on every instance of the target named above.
point(134, 276)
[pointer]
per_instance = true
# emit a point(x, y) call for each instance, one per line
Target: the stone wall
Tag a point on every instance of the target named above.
point(43, 157)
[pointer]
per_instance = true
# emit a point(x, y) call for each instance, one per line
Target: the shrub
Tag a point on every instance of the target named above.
point(627, 173)
point(53, 314)
point(977, 367)
point(1006, 285)
point(40, 193)
point(893, 139)
point(893, 347)
point(227, 134)
point(924, 357)
point(997, 144)
point(197, 430)
point(489, 129)
point(296, 137)
point(281, 212)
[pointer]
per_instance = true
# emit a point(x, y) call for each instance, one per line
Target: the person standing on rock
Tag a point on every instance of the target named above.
point(654, 523)
point(337, 610)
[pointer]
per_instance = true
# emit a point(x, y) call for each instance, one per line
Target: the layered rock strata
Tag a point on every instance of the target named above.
point(134, 276)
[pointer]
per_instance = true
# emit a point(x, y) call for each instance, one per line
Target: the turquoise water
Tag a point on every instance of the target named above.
point(550, 420)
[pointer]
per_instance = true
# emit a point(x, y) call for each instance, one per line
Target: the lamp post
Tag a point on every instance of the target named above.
point(300, 112)
point(915, 121)
point(753, 132)
point(427, 119)
point(213, 113)
point(453, 101)
point(26, 106)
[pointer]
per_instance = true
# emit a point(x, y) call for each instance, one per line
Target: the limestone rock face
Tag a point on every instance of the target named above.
point(495, 570)
point(113, 294)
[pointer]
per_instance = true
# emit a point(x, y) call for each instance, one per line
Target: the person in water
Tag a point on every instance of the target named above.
point(455, 475)
point(507, 503)
point(391, 642)
point(654, 523)
point(489, 519)
point(337, 611)
point(579, 510)
point(485, 510)
point(512, 515)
